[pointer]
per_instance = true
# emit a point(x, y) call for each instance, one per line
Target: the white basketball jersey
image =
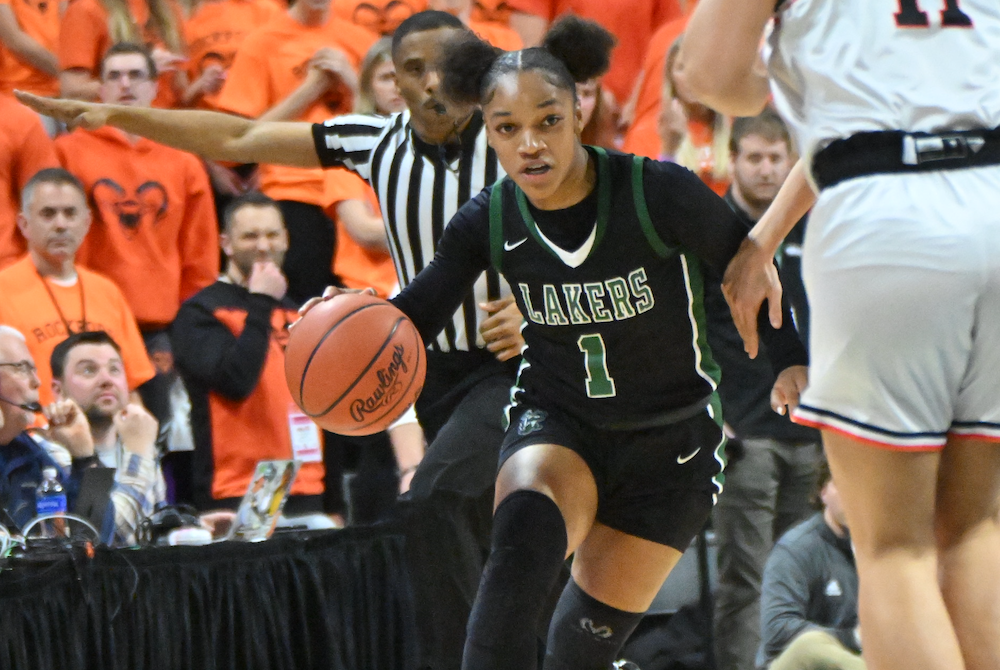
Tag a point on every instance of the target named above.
point(839, 67)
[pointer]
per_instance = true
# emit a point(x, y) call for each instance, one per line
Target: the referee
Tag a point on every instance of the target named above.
point(423, 163)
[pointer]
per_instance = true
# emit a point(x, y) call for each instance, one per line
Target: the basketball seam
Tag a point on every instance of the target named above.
point(312, 354)
point(361, 374)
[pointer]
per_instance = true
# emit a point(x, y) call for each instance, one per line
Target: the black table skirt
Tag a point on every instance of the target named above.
point(333, 601)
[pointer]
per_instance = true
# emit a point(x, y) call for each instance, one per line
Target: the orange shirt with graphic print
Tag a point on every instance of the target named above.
point(154, 230)
point(357, 266)
point(497, 11)
point(41, 309)
point(84, 37)
point(379, 16)
point(633, 22)
point(39, 19)
point(25, 149)
point(216, 30)
point(270, 64)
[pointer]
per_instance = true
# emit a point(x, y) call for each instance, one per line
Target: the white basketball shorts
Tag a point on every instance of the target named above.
point(903, 278)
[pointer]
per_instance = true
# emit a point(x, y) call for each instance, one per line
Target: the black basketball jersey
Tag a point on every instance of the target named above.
point(616, 329)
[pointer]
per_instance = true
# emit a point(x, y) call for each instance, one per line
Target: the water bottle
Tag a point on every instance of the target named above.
point(50, 498)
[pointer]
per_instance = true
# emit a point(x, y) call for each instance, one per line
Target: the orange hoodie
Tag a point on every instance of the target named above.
point(154, 231)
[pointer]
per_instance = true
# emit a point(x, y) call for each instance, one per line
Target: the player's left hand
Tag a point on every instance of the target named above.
point(502, 330)
point(788, 387)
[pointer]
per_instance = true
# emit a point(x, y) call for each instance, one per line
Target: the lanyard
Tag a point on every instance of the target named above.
point(55, 303)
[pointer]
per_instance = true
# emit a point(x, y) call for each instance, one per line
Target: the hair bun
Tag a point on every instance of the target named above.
point(467, 60)
point(582, 45)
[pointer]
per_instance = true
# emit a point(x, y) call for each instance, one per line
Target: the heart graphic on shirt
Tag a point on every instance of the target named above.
point(148, 204)
point(383, 20)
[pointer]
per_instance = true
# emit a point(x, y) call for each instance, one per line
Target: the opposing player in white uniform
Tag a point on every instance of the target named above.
point(896, 105)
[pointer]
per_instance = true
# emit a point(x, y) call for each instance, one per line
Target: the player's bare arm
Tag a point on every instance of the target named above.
point(212, 135)
point(751, 276)
point(719, 62)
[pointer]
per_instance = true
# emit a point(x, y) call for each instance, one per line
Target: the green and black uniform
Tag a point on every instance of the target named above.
point(617, 365)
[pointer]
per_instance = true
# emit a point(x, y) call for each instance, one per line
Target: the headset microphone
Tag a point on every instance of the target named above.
point(27, 406)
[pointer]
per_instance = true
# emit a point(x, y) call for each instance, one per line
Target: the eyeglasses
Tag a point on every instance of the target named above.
point(24, 368)
point(133, 75)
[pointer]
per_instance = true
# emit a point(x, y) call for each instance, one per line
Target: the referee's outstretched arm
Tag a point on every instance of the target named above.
point(212, 135)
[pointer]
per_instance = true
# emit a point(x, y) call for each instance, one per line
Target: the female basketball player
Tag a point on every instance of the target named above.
point(614, 445)
point(896, 108)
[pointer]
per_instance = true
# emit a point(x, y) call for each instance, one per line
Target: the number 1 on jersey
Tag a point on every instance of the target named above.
point(595, 359)
point(911, 16)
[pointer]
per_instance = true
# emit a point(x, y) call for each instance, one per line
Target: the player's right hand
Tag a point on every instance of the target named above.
point(751, 277)
point(330, 293)
point(74, 113)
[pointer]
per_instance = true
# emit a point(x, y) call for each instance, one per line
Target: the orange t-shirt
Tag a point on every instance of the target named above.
point(378, 16)
point(497, 34)
point(25, 149)
point(357, 266)
point(633, 22)
point(154, 231)
point(217, 29)
point(643, 136)
point(26, 305)
point(84, 37)
point(497, 11)
point(269, 65)
point(40, 20)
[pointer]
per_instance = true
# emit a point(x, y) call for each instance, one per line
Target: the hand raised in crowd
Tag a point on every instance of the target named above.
point(166, 61)
point(671, 125)
point(211, 81)
point(751, 278)
point(69, 427)
point(267, 278)
point(788, 387)
point(335, 65)
point(138, 430)
point(74, 113)
point(502, 330)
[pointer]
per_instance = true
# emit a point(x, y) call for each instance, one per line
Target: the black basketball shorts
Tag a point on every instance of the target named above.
point(655, 483)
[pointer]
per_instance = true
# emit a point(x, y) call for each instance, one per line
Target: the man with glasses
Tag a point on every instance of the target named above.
point(46, 296)
point(23, 457)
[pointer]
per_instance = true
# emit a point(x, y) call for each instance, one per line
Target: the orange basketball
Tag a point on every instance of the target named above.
point(354, 364)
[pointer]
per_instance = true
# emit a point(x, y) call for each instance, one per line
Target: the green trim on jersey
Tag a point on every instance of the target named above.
point(705, 362)
point(603, 205)
point(496, 223)
point(639, 195)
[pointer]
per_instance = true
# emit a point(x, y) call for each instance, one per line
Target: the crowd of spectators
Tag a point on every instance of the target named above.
point(126, 265)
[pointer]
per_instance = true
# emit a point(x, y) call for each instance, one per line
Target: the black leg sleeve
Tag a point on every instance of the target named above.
point(527, 552)
point(586, 634)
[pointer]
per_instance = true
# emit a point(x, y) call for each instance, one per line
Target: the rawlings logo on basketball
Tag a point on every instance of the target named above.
point(389, 386)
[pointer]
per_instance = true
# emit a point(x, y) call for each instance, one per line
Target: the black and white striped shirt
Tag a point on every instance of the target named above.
point(419, 187)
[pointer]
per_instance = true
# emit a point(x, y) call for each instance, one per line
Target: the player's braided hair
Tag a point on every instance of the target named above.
point(573, 50)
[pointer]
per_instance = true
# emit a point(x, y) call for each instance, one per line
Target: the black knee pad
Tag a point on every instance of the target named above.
point(586, 634)
point(527, 551)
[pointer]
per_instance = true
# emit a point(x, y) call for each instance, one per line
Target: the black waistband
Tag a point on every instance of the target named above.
point(895, 151)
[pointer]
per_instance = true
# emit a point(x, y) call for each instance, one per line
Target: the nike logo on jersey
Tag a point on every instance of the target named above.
point(507, 246)
point(684, 459)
